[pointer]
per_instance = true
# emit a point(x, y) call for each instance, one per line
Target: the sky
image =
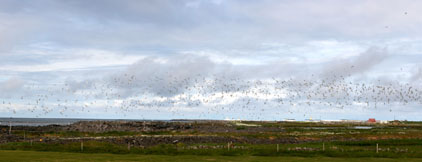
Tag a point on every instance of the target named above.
point(211, 59)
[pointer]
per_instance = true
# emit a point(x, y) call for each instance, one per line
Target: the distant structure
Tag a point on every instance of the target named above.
point(372, 120)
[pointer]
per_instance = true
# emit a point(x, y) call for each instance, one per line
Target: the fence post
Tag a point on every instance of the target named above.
point(10, 128)
point(228, 146)
point(377, 147)
point(128, 146)
point(82, 145)
point(323, 146)
point(278, 148)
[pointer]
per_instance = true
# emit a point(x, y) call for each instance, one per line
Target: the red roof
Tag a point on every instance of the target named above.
point(372, 120)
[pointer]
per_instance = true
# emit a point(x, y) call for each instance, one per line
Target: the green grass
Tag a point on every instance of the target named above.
point(410, 148)
point(403, 141)
point(19, 156)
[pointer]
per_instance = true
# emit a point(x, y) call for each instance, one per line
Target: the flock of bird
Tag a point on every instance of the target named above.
point(210, 94)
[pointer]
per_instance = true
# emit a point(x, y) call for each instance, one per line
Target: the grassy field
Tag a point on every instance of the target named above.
point(6, 155)
point(410, 148)
point(272, 140)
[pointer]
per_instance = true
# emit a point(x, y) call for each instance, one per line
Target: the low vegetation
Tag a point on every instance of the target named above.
point(18, 156)
point(386, 148)
point(272, 139)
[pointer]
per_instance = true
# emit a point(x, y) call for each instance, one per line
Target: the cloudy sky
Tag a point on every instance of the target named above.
point(167, 59)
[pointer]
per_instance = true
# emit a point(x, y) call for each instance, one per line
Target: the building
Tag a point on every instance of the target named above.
point(372, 120)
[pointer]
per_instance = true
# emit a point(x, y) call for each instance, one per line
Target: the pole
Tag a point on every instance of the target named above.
point(377, 147)
point(10, 128)
point(82, 145)
point(323, 146)
point(278, 148)
point(228, 146)
point(128, 146)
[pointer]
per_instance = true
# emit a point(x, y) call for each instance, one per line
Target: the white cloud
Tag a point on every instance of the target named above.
point(72, 59)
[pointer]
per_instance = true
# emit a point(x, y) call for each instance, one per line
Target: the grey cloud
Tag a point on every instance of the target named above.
point(14, 31)
point(11, 86)
point(74, 85)
point(357, 65)
point(417, 75)
point(174, 75)
point(170, 76)
point(163, 77)
point(162, 24)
